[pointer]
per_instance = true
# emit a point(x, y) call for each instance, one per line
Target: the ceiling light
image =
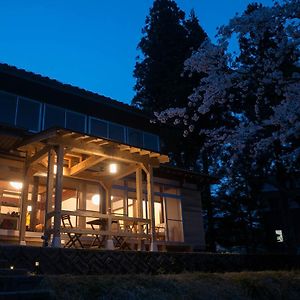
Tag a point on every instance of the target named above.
point(96, 199)
point(113, 168)
point(16, 185)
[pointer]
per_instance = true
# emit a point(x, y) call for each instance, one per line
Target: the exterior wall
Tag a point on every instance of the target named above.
point(35, 115)
point(192, 217)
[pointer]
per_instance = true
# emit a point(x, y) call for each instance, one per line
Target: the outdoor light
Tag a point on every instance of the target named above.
point(96, 199)
point(16, 185)
point(113, 168)
point(37, 263)
point(11, 267)
point(279, 236)
point(29, 208)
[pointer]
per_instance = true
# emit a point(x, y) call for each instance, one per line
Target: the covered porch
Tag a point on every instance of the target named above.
point(84, 191)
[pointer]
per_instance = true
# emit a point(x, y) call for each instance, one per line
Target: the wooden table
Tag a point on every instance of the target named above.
point(102, 223)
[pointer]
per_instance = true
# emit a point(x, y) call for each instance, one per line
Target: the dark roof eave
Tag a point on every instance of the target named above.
point(52, 83)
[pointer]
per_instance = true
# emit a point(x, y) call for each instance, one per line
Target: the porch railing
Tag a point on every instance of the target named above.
point(115, 225)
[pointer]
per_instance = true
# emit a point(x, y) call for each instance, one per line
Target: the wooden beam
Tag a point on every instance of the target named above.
point(134, 150)
point(124, 147)
point(154, 154)
point(38, 156)
point(145, 152)
point(87, 163)
point(37, 138)
point(109, 152)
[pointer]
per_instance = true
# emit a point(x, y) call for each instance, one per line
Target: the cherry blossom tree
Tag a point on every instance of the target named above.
point(247, 104)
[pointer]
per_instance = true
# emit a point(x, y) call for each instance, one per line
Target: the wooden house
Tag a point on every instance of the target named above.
point(81, 170)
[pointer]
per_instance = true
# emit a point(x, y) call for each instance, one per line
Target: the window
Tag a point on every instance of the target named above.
point(28, 114)
point(174, 220)
point(135, 137)
point(54, 117)
point(151, 141)
point(75, 121)
point(116, 132)
point(98, 127)
point(8, 104)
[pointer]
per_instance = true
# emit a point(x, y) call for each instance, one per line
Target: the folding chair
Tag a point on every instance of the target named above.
point(73, 237)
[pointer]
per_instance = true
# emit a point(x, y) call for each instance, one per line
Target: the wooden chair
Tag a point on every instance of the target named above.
point(160, 232)
point(73, 237)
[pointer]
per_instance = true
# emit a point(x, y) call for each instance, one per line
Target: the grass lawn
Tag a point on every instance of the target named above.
point(233, 286)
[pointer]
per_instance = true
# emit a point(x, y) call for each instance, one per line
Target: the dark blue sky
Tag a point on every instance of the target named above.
point(90, 43)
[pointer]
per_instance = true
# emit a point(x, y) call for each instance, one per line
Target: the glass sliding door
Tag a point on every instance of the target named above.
point(174, 220)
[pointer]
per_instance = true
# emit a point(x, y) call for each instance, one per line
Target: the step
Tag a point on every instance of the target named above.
point(13, 272)
point(20, 282)
point(28, 295)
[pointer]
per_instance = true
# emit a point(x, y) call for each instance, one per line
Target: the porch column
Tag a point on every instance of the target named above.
point(125, 199)
point(109, 245)
point(82, 205)
point(150, 198)
point(24, 201)
point(139, 200)
point(34, 198)
point(56, 241)
point(102, 193)
point(49, 196)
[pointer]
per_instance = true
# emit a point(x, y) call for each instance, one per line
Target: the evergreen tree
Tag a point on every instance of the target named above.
point(168, 40)
point(163, 47)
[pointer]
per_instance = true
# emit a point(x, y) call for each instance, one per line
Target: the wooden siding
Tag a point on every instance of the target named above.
point(192, 218)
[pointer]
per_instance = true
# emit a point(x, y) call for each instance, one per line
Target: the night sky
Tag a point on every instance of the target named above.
point(90, 44)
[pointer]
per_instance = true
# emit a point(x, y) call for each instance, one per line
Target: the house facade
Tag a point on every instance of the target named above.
point(81, 170)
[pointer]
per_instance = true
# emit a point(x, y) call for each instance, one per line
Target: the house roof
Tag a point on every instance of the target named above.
point(175, 173)
point(42, 88)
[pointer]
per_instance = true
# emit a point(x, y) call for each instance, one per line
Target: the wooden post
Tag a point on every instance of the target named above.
point(109, 245)
point(139, 200)
point(125, 199)
point(56, 241)
point(49, 195)
point(166, 217)
point(34, 198)
point(23, 208)
point(150, 197)
point(102, 193)
point(82, 205)
point(108, 198)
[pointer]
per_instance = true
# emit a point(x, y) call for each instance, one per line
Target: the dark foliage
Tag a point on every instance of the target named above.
point(168, 40)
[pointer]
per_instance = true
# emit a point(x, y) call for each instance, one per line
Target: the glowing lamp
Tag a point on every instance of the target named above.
point(113, 168)
point(29, 208)
point(16, 185)
point(96, 199)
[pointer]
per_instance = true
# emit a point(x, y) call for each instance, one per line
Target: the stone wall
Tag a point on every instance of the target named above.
point(80, 261)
